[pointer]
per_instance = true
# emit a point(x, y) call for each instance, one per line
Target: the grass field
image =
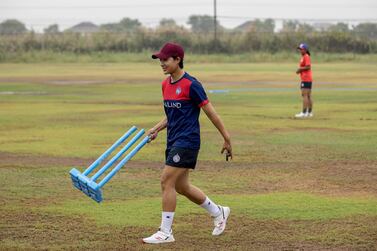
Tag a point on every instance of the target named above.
point(294, 184)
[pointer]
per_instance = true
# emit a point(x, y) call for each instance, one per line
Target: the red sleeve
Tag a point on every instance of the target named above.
point(198, 94)
point(307, 60)
point(203, 103)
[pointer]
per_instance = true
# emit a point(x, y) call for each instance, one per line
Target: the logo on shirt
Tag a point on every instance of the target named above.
point(172, 104)
point(178, 90)
point(176, 158)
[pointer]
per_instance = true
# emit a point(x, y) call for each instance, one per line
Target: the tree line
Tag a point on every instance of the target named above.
point(129, 35)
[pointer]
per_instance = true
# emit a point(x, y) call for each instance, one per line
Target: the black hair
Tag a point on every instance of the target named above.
point(308, 52)
point(180, 62)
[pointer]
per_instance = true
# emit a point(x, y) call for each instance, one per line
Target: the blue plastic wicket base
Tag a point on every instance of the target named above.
point(75, 177)
point(87, 186)
point(95, 191)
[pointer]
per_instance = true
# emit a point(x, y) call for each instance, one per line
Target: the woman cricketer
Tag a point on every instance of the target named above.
point(305, 72)
point(183, 97)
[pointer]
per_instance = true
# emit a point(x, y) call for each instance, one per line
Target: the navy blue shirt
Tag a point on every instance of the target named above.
point(182, 102)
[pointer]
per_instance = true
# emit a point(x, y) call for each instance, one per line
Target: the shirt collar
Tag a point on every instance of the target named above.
point(171, 82)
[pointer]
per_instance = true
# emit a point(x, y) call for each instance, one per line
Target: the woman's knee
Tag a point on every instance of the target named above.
point(306, 93)
point(182, 188)
point(166, 182)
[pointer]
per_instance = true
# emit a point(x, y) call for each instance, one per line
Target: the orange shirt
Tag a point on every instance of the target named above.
point(306, 76)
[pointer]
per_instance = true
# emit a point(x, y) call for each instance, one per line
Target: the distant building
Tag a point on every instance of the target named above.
point(257, 25)
point(84, 28)
point(246, 26)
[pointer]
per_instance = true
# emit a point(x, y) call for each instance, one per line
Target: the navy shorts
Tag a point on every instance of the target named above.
point(181, 157)
point(306, 85)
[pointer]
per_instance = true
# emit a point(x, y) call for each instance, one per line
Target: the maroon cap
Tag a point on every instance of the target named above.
point(169, 50)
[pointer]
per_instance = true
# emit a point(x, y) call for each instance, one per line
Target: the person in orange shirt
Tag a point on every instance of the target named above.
point(305, 72)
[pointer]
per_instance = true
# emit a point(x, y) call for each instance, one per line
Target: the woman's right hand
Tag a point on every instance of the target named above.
point(152, 133)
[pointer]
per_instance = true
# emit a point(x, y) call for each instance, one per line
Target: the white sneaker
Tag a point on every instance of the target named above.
point(220, 221)
point(159, 237)
point(300, 115)
point(309, 115)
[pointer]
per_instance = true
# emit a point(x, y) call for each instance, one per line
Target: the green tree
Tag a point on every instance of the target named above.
point(168, 22)
point(128, 24)
point(366, 30)
point(125, 25)
point(203, 23)
point(266, 26)
point(305, 28)
point(52, 29)
point(290, 26)
point(12, 26)
point(339, 27)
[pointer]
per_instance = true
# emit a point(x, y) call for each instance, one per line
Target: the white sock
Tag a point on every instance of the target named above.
point(166, 221)
point(211, 207)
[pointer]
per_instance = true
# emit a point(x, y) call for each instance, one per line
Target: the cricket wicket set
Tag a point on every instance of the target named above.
point(90, 185)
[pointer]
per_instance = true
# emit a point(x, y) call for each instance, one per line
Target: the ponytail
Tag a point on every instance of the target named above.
point(308, 52)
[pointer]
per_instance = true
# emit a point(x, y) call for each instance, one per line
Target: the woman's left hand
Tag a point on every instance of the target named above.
point(227, 148)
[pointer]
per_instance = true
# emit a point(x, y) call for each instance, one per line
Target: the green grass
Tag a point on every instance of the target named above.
point(274, 206)
point(293, 183)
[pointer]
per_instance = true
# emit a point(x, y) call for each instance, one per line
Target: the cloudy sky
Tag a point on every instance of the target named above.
point(38, 14)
